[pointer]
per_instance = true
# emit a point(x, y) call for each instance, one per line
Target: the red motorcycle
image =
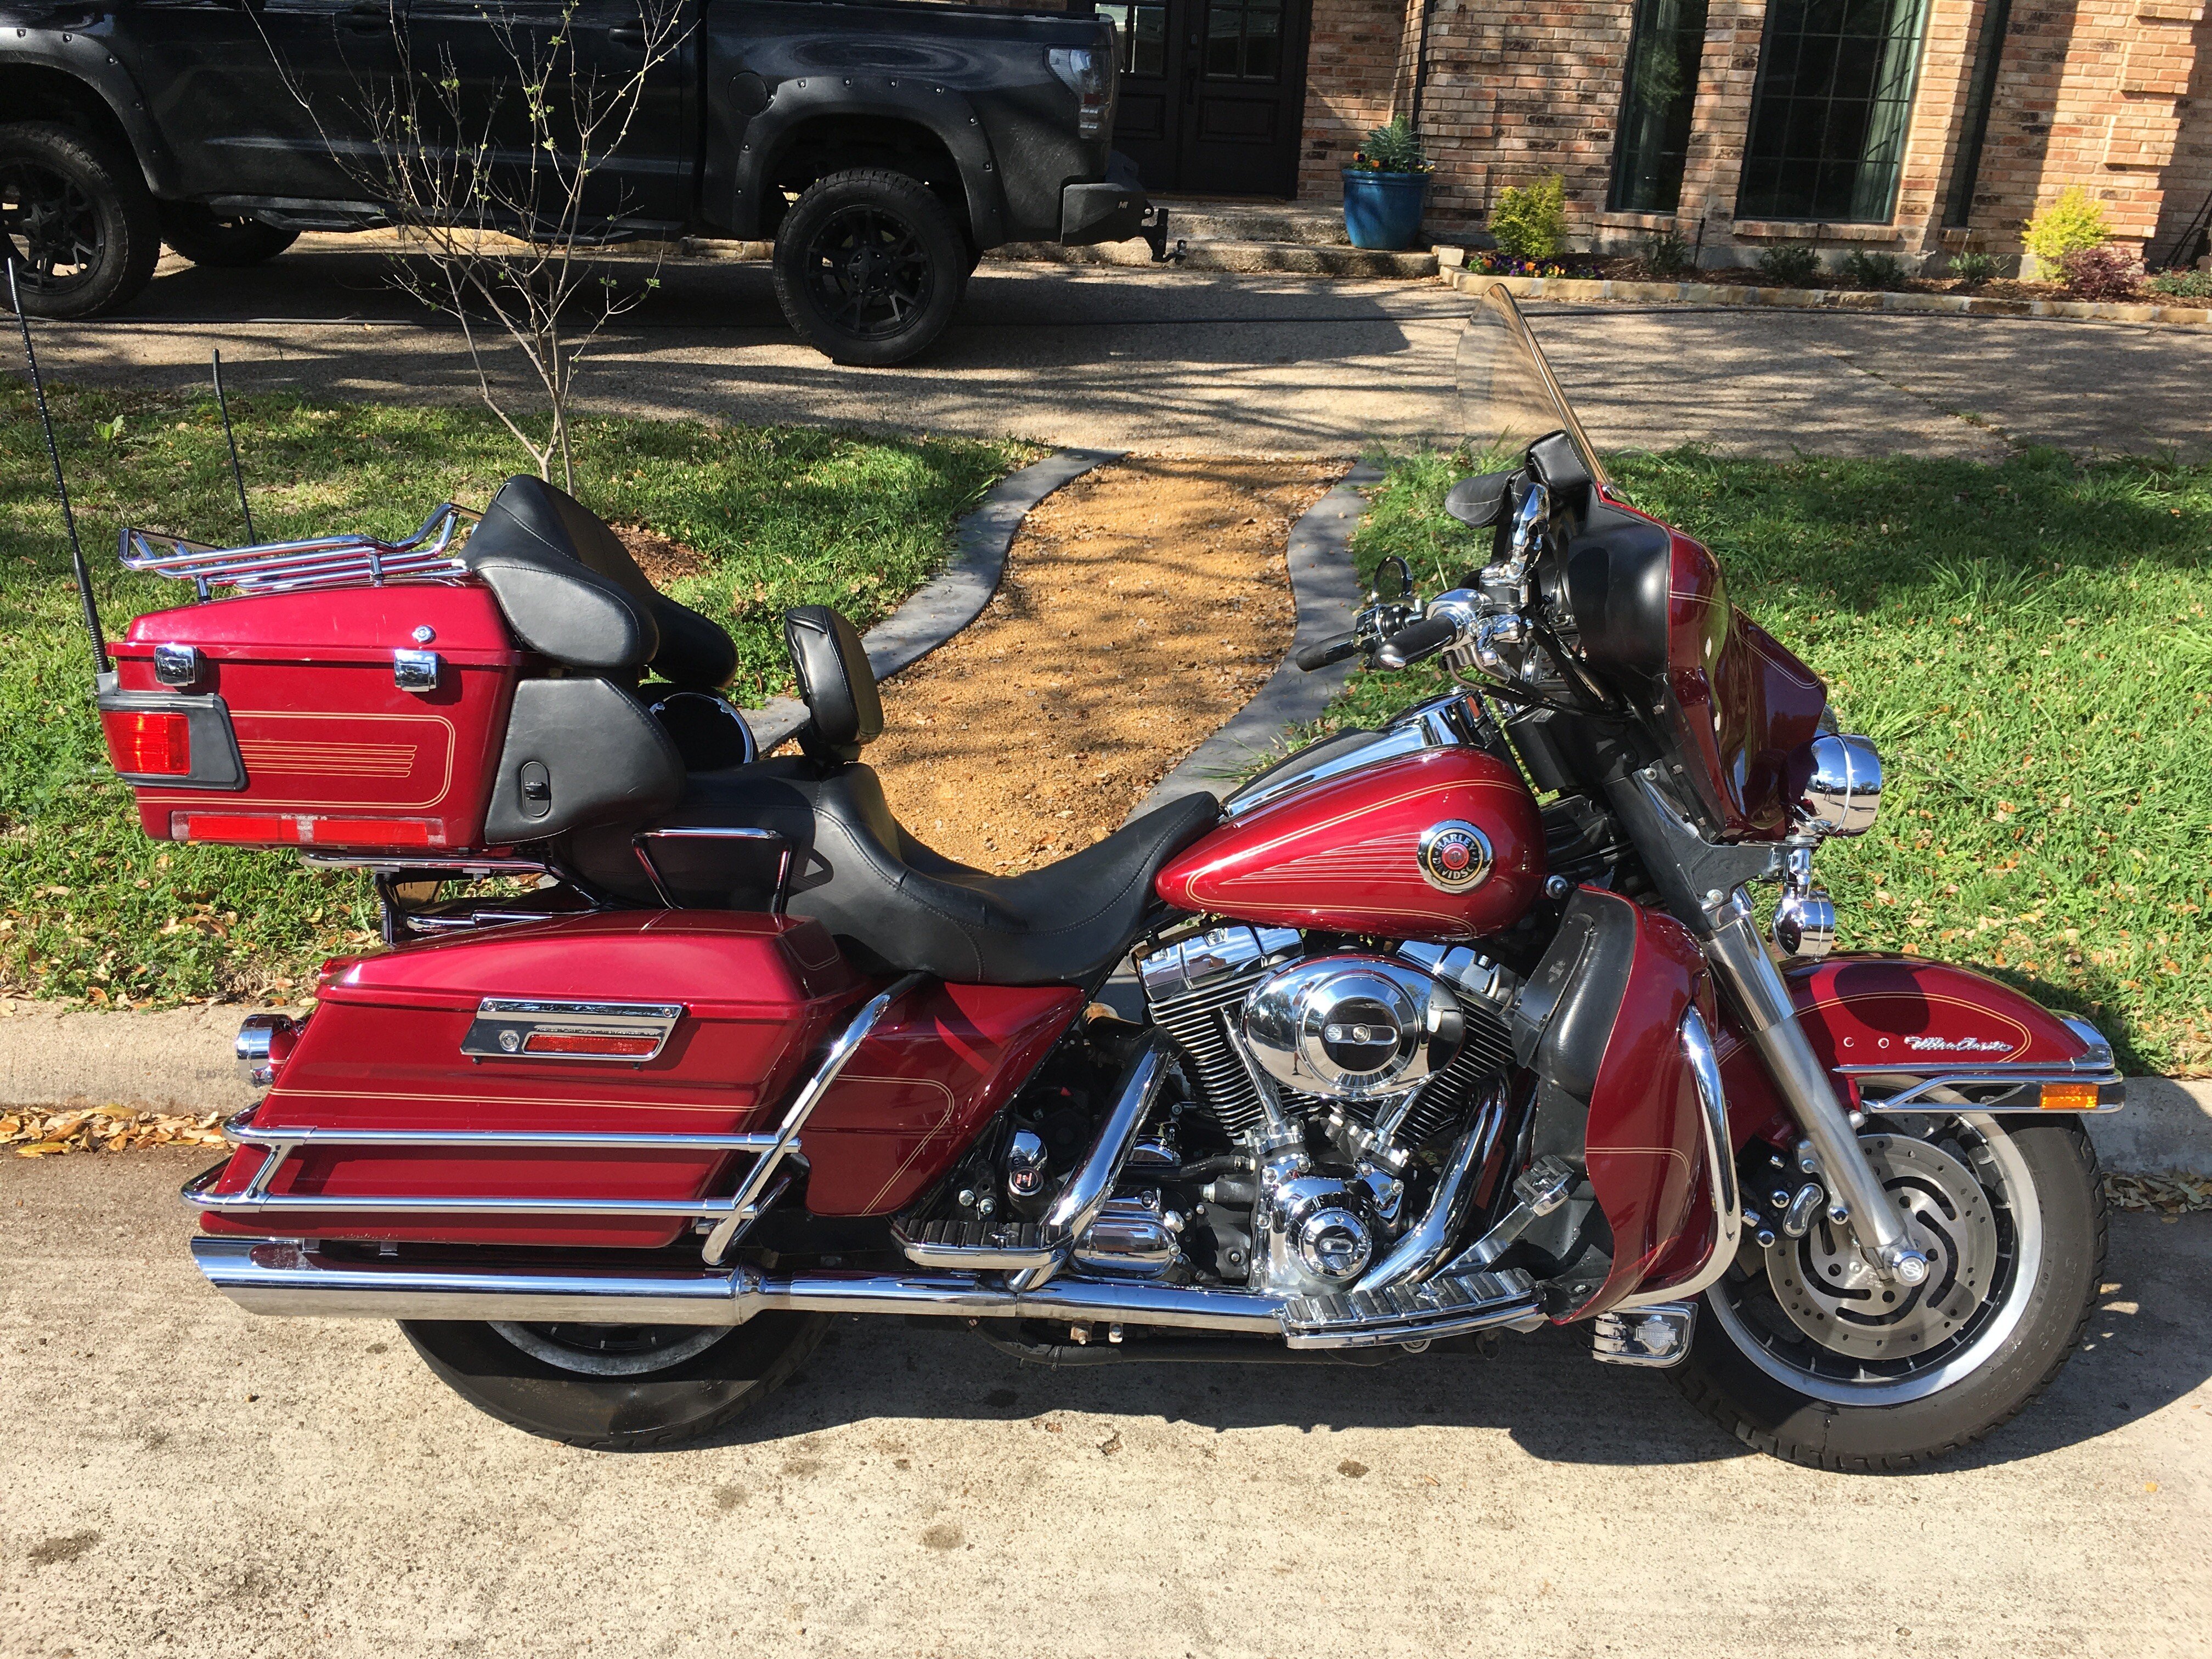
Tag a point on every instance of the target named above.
point(1455, 1027)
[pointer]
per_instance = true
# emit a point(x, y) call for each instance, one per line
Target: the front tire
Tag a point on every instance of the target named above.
point(869, 267)
point(221, 241)
point(1796, 1355)
point(79, 221)
point(616, 1388)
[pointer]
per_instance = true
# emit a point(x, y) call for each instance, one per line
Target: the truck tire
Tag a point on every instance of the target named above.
point(221, 241)
point(78, 219)
point(869, 267)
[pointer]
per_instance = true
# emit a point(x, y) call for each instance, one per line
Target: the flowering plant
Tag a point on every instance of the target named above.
point(1394, 148)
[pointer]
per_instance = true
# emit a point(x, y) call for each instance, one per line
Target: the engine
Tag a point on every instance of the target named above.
point(1324, 1074)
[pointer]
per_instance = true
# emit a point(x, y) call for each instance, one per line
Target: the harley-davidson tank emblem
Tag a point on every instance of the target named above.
point(1455, 855)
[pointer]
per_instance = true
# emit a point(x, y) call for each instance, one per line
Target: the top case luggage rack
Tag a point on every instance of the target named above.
point(319, 562)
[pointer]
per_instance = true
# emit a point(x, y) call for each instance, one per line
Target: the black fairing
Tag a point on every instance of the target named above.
point(1618, 572)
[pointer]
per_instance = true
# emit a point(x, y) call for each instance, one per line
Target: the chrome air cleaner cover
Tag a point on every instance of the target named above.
point(1352, 1027)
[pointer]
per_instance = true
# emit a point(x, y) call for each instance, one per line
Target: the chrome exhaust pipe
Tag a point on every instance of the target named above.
point(285, 1277)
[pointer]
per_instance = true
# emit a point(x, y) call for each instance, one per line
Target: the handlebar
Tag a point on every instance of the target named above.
point(1322, 652)
point(1416, 641)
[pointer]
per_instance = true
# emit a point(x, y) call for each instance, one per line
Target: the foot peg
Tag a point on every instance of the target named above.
point(1657, 1335)
point(1447, 1305)
point(1540, 1189)
point(979, 1247)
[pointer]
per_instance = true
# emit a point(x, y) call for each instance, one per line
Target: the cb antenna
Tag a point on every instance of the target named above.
point(236, 476)
point(100, 665)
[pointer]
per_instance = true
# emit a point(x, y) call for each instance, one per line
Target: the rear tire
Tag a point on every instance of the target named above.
point(78, 219)
point(604, 1386)
point(221, 241)
point(1796, 1399)
point(869, 267)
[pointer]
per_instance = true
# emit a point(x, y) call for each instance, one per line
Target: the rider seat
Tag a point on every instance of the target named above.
point(893, 904)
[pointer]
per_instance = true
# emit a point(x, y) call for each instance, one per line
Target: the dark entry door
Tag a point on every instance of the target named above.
point(1213, 92)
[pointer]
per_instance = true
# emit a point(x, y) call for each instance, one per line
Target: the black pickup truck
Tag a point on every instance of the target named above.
point(883, 147)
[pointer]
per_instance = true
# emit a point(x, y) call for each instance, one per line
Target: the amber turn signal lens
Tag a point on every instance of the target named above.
point(143, 742)
point(569, 1042)
point(2069, 1097)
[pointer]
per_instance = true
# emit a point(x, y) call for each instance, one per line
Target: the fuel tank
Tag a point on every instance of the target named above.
point(1443, 845)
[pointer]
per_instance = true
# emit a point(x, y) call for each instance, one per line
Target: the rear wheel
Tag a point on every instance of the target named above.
point(225, 241)
point(78, 220)
point(869, 267)
point(616, 1388)
point(1806, 1353)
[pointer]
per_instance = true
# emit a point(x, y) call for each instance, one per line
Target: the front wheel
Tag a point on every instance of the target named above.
point(1805, 1352)
point(869, 267)
point(77, 219)
point(616, 1388)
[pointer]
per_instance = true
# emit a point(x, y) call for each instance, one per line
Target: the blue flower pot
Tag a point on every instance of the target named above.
point(1383, 210)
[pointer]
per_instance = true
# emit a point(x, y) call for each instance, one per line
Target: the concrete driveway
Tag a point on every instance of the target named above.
point(1149, 359)
point(183, 1479)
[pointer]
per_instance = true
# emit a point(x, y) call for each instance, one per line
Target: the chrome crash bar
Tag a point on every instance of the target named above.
point(318, 562)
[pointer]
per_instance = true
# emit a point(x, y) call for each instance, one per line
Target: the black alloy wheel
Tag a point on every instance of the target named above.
point(869, 266)
point(79, 223)
point(221, 241)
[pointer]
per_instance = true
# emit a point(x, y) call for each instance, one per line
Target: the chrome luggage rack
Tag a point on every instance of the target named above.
point(319, 562)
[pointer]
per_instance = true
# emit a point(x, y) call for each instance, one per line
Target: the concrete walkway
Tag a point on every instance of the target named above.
point(1150, 360)
point(184, 1478)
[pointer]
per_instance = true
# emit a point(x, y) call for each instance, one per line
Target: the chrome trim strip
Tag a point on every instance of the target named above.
point(257, 1199)
point(241, 1131)
point(745, 1206)
point(1720, 1169)
point(498, 1019)
point(1409, 738)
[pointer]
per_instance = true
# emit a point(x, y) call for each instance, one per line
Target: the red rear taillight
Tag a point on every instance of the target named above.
point(296, 829)
point(144, 742)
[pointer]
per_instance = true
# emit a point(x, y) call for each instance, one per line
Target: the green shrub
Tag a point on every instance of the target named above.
point(1393, 148)
point(1792, 264)
point(1972, 268)
point(2183, 284)
point(1876, 270)
point(1667, 254)
point(1531, 222)
point(2071, 223)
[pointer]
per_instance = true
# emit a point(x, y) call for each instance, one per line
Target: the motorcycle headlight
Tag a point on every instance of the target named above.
point(1845, 792)
point(1090, 75)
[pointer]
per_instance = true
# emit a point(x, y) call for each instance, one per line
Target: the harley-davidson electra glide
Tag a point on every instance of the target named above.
point(1455, 1027)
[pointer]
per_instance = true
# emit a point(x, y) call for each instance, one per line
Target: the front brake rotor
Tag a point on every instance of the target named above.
point(1830, 1292)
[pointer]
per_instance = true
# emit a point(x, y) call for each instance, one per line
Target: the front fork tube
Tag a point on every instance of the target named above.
point(1755, 987)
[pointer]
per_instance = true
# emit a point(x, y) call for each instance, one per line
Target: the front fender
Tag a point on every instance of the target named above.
point(85, 53)
point(946, 115)
point(1878, 1024)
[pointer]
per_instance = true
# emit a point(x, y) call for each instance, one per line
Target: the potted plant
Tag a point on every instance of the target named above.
point(1386, 187)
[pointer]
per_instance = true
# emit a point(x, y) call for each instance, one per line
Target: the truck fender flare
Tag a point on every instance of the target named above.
point(82, 57)
point(947, 115)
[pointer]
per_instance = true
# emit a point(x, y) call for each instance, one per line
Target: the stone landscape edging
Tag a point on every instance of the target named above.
point(955, 597)
point(1586, 290)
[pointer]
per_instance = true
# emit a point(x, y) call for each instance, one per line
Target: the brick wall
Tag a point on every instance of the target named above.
point(1354, 54)
point(2187, 180)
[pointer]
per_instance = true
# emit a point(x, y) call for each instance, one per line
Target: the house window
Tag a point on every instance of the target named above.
point(1663, 52)
point(1140, 38)
point(1243, 39)
point(1828, 119)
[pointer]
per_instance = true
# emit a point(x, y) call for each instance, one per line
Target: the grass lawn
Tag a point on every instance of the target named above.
point(2029, 646)
point(88, 907)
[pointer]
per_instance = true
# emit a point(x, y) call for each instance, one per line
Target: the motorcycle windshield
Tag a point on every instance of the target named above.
point(1509, 396)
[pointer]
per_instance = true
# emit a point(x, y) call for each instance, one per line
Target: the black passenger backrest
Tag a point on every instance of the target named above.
point(570, 590)
point(845, 710)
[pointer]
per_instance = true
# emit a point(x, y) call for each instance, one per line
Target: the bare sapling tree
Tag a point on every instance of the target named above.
point(502, 191)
